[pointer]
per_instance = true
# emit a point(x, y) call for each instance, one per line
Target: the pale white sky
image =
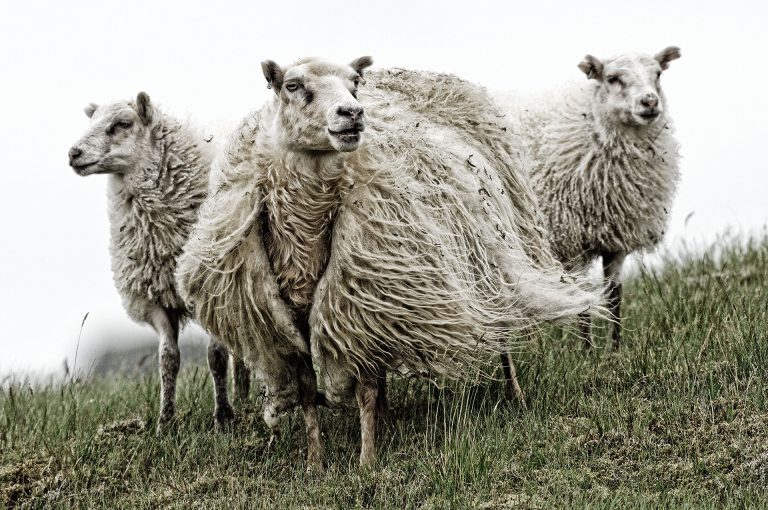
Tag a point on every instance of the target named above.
point(202, 58)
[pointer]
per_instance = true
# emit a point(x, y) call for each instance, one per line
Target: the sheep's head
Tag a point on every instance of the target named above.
point(629, 89)
point(318, 108)
point(119, 139)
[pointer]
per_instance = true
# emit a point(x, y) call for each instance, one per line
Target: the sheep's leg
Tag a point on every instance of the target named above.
point(166, 323)
point(241, 380)
point(585, 329)
point(218, 357)
point(366, 392)
point(612, 272)
point(382, 402)
point(308, 401)
point(514, 392)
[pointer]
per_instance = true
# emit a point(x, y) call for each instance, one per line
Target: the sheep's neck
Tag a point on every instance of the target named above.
point(158, 203)
point(303, 193)
point(163, 177)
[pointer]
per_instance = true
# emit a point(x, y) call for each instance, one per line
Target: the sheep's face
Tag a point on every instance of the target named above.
point(629, 86)
point(119, 140)
point(318, 108)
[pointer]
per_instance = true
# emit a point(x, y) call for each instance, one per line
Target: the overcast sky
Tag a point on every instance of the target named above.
point(202, 59)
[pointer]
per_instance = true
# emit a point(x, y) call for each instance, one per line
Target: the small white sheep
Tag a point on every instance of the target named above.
point(605, 164)
point(158, 176)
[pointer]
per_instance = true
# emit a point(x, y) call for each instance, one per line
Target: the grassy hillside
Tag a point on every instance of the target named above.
point(677, 417)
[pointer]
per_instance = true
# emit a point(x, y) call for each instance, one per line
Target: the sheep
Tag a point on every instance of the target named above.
point(158, 171)
point(605, 165)
point(412, 248)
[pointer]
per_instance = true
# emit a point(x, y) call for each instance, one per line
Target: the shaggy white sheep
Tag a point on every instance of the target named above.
point(605, 164)
point(418, 249)
point(158, 176)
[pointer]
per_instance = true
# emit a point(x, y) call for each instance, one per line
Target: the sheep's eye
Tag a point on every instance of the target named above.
point(615, 80)
point(291, 86)
point(658, 75)
point(122, 124)
point(356, 82)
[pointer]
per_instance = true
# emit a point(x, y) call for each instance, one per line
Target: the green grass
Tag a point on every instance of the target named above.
point(678, 417)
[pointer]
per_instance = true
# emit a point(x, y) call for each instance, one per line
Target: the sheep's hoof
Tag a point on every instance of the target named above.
point(273, 438)
point(165, 424)
point(515, 396)
point(616, 339)
point(315, 464)
point(513, 392)
point(223, 417)
point(367, 461)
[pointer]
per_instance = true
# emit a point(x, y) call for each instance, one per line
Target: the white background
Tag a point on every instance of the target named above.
point(202, 58)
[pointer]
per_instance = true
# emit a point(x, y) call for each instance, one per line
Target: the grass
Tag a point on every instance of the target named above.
point(677, 417)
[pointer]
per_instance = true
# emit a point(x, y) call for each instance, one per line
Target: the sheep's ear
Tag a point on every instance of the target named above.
point(90, 109)
point(361, 64)
point(274, 75)
point(667, 55)
point(592, 67)
point(144, 108)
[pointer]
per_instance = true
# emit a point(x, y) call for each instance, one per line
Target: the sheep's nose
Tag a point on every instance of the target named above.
point(650, 100)
point(74, 152)
point(354, 112)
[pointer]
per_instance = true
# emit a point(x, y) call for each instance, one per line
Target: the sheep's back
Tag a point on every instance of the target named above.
point(428, 270)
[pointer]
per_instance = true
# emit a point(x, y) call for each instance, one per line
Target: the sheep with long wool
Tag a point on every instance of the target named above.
point(369, 235)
